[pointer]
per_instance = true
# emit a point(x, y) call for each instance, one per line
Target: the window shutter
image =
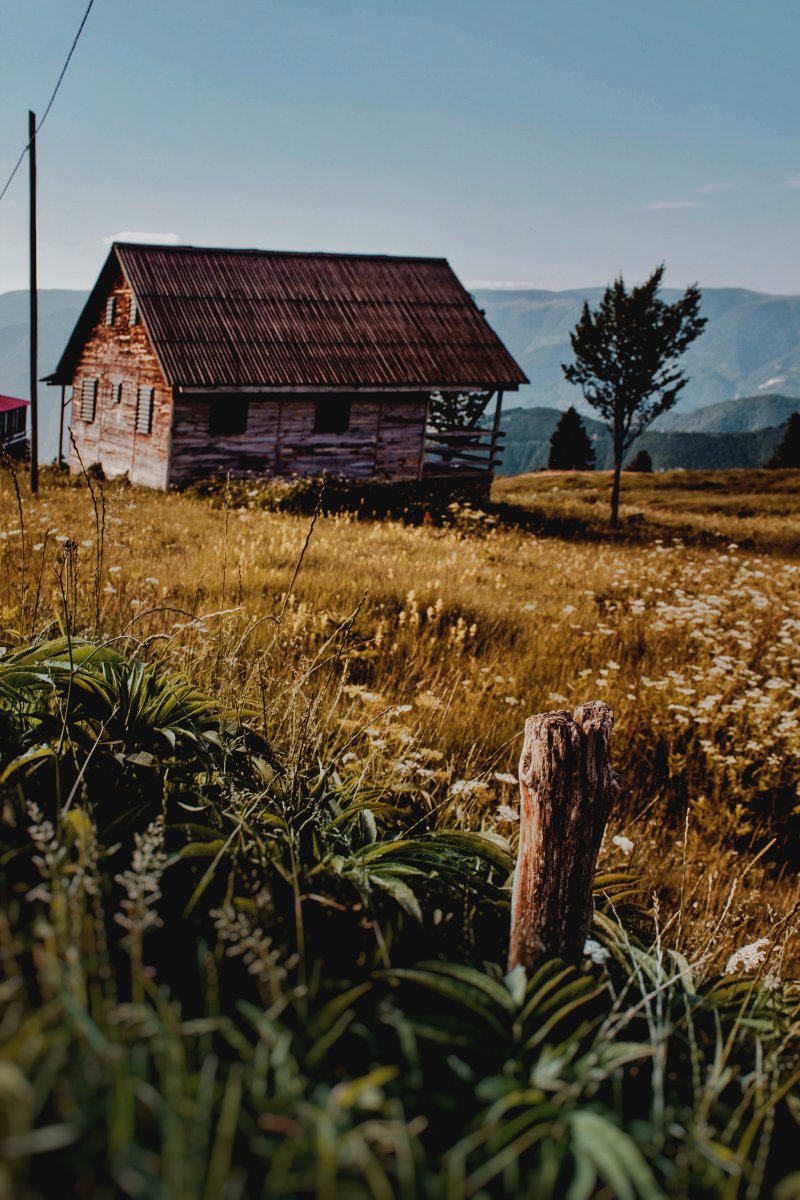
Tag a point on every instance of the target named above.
point(88, 399)
point(144, 410)
point(111, 310)
point(116, 393)
point(134, 311)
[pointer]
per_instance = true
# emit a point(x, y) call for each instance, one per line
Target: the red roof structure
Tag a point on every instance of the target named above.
point(9, 403)
point(281, 321)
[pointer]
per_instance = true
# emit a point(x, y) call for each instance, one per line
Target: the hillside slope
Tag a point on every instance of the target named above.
point(528, 432)
point(732, 416)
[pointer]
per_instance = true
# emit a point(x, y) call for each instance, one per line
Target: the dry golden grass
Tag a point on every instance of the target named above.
point(758, 509)
point(440, 641)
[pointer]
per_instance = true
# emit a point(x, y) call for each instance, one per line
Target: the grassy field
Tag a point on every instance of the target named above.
point(394, 665)
point(759, 509)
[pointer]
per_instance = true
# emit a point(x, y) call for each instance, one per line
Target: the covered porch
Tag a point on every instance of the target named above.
point(467, 456)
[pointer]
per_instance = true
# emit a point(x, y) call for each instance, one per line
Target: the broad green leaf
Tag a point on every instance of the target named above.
point(614, 1155)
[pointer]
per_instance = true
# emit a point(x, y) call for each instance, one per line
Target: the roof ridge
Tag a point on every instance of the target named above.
point(255, 251)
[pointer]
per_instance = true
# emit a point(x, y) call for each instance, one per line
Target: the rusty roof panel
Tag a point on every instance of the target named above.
point(234, 318)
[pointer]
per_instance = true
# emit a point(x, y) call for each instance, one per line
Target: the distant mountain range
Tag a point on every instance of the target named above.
point(748, 357)
point(750, 345)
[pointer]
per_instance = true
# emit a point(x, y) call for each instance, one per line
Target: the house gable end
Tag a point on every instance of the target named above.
point(122, 410)
point(111, 280)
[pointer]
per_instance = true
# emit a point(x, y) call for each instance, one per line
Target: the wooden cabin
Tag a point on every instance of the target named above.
point(13, 422)
point(187, 362)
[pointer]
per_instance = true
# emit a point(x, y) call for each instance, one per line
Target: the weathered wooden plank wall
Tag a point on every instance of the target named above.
point(384, 440)
point(401, 437)
point(121, 354)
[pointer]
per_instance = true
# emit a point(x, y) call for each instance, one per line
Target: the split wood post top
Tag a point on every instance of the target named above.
point(566, 790)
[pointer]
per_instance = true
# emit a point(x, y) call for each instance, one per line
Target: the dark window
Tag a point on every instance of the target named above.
point(111, 310)
point(144, 410)
point(116, 393)
point(332, 415)
point(88, 399)
point(228, 416)
point(134, 311)
point(12, 422)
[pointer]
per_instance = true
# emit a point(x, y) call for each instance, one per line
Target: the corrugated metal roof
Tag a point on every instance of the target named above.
point(251, 318)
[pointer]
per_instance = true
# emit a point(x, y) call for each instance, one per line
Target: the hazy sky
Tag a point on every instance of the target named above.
point(551, 143)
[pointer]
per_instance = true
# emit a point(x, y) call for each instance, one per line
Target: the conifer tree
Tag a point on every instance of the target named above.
point(641, 461)
point(570, 446)
point(788, 452)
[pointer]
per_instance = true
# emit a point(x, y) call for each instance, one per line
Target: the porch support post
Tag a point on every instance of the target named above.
point(498, 408)
point(61, 426)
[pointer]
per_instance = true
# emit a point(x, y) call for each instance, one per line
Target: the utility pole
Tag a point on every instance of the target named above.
point(34, 338)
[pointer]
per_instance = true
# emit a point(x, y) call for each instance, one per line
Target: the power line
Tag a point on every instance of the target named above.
point(50, 101)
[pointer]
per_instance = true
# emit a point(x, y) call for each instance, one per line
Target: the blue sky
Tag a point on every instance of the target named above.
point(550, 143)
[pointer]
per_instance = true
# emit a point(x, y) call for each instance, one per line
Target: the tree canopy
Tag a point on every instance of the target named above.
point(457, 410)
point(626, 359)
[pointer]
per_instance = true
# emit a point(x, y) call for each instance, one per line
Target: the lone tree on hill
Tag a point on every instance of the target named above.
point(570, 446)
point(788, 452)
point(626, 354)
point(641, 461)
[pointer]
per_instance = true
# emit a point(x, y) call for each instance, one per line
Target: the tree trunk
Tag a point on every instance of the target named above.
point(615, 489)
point(566, 790)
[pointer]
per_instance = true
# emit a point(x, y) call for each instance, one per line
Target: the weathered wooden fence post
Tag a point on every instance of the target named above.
point(566, 789)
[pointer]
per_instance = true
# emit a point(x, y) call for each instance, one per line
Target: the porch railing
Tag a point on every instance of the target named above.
point(462, 453)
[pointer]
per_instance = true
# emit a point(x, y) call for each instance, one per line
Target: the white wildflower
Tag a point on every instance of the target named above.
point(748, 958)
point(594, 951)
point(468, 787)
point(622, 843)
point(506, 813)
point(505, 777)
